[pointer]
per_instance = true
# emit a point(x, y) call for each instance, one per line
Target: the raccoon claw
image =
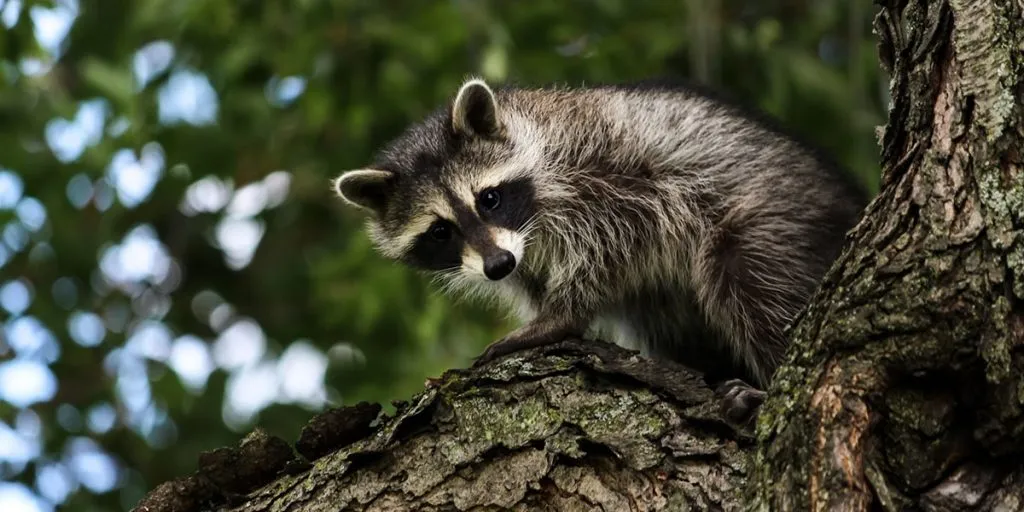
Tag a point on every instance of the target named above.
point(504, 347)
point(739, 402)
point(492, 352)
point(514, 343)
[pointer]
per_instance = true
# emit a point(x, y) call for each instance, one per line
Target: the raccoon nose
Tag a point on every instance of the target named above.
point(500, 265)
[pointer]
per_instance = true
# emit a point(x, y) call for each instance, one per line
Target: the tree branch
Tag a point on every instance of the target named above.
point(572, 426)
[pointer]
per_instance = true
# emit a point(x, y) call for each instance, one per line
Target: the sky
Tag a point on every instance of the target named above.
point(257, 379)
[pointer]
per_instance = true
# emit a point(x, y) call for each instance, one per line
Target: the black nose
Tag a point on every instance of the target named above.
point(499, 265)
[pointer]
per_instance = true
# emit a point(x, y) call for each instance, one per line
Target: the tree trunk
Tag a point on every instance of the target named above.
point(905, 385)
point(904, 388)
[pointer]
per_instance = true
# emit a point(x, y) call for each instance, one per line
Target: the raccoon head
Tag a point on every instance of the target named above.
point(455, 193)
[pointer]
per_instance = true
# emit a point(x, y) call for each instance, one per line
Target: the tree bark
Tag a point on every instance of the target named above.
point(903, 390)
point(581, 425)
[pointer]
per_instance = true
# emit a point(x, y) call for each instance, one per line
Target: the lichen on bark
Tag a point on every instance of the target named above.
point(908, 365)
point(574, 426)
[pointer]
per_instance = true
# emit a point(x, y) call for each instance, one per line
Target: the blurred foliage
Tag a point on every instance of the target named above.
point(145, 147)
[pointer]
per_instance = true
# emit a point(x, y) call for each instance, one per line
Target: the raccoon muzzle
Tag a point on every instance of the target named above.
point(499, 265)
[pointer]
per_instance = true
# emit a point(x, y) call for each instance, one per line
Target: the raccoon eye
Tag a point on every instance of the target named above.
point(490, 199)
point(440, 231)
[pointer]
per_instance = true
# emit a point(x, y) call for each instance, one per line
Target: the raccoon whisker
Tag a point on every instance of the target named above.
point(529, 227)
point(444, 274)
point(456, 286)
point(453, 282)
point(463, 289)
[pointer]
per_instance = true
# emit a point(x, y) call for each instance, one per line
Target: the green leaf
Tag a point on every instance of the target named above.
point(113, 81)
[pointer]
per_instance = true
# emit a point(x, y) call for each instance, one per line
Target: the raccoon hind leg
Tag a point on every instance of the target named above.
point(750, 285)
point(739, 402)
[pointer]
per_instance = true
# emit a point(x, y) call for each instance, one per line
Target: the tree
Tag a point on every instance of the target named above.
point(904, 388)
point(905, 385)
point(173, 269)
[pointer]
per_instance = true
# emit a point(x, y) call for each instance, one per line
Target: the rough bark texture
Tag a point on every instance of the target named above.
point(906, 384)
point(581, 425)
point(904, 389)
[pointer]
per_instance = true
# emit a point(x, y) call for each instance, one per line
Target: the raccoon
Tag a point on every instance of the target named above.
point(656, 215)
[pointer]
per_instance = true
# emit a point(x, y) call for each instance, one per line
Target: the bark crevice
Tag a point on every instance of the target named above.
point(574, 426)
point(915, 317)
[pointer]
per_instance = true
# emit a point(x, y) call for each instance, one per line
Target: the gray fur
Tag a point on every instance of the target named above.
point(659, 217)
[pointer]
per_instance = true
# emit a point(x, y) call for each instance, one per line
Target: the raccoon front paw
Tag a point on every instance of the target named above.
point(522, 339)
point(739, 402)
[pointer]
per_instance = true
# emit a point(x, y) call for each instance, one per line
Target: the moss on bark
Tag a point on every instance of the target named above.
point(576, 426)
point(907, 368)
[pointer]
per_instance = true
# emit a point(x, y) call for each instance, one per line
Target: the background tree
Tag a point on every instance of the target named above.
point(173, 267)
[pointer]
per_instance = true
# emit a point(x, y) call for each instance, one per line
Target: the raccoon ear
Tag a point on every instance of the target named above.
point(475, 110)
point(367, 189)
